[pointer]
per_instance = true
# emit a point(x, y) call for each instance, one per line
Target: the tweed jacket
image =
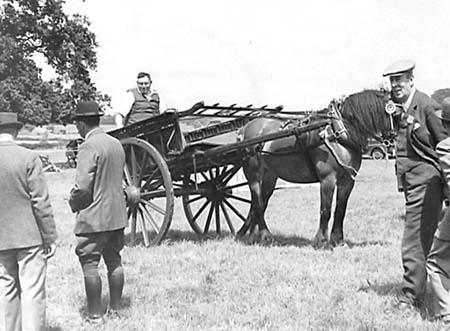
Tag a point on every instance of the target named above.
point(26, 216)
point(424, 129)
point(443, 151)
point(97, 197)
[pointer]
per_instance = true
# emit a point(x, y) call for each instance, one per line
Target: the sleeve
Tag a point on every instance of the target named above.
point(443, 151)
point(40, 201)
point(434, 125)
point(122, 106)
point(81, 195)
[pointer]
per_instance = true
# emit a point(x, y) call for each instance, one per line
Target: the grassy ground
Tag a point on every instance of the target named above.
point(192, 284)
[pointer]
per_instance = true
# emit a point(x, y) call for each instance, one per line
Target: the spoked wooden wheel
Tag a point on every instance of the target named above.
point(216, 200)
point(149, 190)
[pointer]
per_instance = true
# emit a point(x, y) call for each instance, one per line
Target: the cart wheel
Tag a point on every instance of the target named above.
point(149, 191)
point(214, 200)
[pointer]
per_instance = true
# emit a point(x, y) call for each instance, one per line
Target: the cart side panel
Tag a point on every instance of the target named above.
point(162, 131)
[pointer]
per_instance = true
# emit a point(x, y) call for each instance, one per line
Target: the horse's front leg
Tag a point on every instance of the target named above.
point(327, 187)
point(268, 184)
point(344, 188)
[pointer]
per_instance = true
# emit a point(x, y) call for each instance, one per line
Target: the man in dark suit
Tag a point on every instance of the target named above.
point(438, 262)
point(27, 235)
point(418, 174)
point(98, 200)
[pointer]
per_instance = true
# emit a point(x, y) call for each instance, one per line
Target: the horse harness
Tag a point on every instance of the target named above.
point(335, 130)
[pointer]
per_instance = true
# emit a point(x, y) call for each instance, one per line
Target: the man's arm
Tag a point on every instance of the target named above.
point(40, 201)
point(81, 195)
point(122, 107)
point(434, 125)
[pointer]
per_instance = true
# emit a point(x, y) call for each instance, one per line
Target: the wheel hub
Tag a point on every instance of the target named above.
point(133, 195)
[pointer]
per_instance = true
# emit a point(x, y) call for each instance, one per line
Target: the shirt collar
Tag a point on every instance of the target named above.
point(408, 102)
point(90, 133)
point(6, 138)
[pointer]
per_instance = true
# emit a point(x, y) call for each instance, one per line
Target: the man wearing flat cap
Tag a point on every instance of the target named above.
point(419, 177)
point(28, 233)
point(98, 200)
point(438, 262)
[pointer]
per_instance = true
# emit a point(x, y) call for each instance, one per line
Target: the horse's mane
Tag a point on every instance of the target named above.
point(364, 116)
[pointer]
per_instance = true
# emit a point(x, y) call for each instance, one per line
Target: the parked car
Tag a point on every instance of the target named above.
point(379, 150)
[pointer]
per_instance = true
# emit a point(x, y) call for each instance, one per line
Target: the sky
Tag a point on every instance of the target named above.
point(299, 54)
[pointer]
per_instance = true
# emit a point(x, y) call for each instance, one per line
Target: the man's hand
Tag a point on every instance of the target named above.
point(49, 250)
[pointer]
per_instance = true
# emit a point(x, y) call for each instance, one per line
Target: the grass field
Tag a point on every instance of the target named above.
point(193, 284)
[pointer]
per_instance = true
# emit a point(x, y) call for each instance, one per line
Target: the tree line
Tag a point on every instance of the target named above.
point(40, 27)
point(30, 28)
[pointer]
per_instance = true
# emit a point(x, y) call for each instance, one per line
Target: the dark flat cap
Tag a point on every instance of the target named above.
point(444, 114)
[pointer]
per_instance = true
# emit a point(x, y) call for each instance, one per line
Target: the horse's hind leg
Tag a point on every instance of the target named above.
point(267, 188)
point(327, 186)
point(252, 172)
point(344, 188)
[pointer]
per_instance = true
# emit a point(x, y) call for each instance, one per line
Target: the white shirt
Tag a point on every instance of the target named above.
point(408, 102)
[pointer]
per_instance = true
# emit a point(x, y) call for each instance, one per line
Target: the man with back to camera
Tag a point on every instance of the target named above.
point(418, 175)
point(98, 200)
point(28, 233)
point(438, 262)
point(144, 101)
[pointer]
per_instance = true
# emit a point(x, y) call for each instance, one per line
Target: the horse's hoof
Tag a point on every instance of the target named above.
point(319, 242)
point(266, 237)
point(336, 240)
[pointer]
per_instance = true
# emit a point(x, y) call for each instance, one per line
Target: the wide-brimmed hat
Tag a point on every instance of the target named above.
point(399, 68)
point(444, 114)
point(87, 109)
point(9, 120)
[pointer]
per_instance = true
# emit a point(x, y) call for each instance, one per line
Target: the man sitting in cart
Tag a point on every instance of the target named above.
point(144, 102)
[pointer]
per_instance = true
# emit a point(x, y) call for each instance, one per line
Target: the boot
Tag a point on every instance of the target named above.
point(93, 286)
point(116, 280)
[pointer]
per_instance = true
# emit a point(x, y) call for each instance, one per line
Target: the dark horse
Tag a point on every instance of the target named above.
point(305, 160)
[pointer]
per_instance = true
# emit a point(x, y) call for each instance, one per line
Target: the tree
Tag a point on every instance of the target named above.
point(441, 94)
point(30, 27)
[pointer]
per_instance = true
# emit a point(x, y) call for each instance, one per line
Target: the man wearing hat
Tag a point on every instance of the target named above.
point(419, 177)
point(438, 262)
point(28, 233)
point(144, 102)
point(98, 200)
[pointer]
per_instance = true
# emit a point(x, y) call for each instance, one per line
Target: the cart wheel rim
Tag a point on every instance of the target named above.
point(149, 191)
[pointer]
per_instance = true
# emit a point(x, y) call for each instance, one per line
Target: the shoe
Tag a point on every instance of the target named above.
point(112, 313)
point(399, 303)
point(95, 320)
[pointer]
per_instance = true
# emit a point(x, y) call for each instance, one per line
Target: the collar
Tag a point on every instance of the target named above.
point(408, 102)
point(90, 133)
point(6, 138)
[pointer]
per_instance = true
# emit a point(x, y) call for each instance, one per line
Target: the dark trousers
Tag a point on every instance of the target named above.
point(423, 194)
point(91, 247)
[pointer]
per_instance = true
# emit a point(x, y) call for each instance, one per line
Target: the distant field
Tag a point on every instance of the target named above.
point(192, 284)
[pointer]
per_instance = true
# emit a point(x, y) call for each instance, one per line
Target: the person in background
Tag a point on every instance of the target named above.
point(145, 102)
point(419, 178)
point(438, 262)
point(98, 200)
point(28, 233)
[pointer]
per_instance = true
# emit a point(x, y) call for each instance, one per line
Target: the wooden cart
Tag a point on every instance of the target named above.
point(162, 163)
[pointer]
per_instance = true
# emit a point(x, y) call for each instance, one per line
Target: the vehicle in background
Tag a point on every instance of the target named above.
point(380, 149)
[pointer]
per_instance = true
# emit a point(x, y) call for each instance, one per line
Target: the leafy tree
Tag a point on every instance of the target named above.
point(441, 94)
point(31, 27)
